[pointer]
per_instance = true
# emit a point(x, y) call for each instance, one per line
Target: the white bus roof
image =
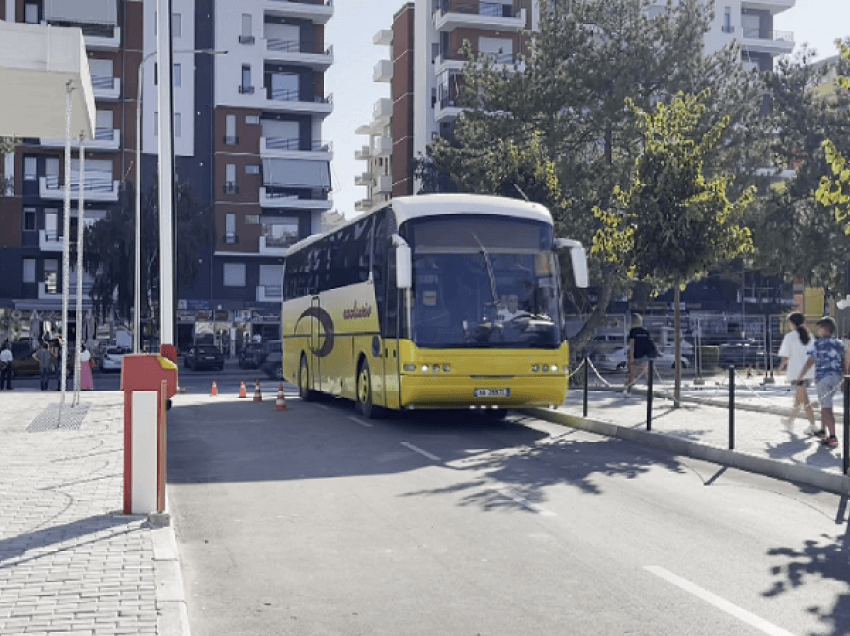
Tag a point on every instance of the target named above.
point(419, 206)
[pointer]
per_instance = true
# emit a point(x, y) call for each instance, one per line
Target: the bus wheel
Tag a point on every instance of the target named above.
point(364, 393)
point(304, 381)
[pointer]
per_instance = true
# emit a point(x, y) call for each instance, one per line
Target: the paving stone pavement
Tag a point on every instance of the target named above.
point(70, 562)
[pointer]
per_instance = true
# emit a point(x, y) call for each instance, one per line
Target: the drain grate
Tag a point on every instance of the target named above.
point(48, 419)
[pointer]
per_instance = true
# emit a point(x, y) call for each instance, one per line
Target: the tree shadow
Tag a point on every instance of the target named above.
point(822, 559)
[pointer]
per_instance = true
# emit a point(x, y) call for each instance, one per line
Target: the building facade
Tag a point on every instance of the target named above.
point(249, 102)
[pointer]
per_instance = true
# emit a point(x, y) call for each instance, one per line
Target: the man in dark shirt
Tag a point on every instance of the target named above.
point(641, 350)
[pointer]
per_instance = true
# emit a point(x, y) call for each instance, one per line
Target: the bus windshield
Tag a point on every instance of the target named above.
point(484, 281)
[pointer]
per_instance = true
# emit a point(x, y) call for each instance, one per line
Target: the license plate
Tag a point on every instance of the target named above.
point(491, 393)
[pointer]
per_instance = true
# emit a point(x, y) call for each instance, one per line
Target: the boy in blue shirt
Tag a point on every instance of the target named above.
point(827, 356)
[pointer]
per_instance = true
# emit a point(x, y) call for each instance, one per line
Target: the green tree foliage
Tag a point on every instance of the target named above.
point(110, 248)
point(834, 192)
point(565, 103)
point(793, 233)
point(673, 225)
point(7, 145)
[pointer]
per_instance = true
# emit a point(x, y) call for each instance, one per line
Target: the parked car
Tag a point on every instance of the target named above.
point(112, 358)
point(273, 365)
point(618, 360)
point(23, 362)
point(252, 356)
point(204, 357)
point(744, 353)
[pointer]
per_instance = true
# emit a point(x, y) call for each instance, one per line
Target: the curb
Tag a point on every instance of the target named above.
point(172, 611)
point(836, 483)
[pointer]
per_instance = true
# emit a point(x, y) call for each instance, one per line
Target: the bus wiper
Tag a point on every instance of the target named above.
point(493, 291)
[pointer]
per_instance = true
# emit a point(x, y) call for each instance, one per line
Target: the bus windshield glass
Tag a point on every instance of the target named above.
point(484, 281)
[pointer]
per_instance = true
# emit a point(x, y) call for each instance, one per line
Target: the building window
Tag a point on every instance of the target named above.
point(51, 275)
point(156, 123)
point(253, 120)
point(29, 220)
point(176, 25)
point(28, 270)
point(230, 237)
point(178, 75)
point(178, 123)
point(252, 219)
point(246, 88)
point(230, 137)
point(252, 169)
point(30, 169)
point(31, 13)
point(727, 20)
point(280, 231)
point(247, 36)
point(234, 274)
point(230, 186)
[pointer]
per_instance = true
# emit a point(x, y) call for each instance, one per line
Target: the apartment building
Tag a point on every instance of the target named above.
point(31, 212)
point(424, 67)
point(249, 102)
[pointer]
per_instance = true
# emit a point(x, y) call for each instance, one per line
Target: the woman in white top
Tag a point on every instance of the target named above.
point(794, 353)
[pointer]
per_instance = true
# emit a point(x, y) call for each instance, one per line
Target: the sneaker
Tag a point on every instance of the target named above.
point(788, 423)
point(821, 434)
point(831, 441)
point(812, 430)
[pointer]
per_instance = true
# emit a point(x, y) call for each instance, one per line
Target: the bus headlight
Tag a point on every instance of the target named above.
point(409, 367)
point(425, 368)
point(554, 368)
point(446, 368)
point(545, 367)
point(535, 367)
point(436, 368)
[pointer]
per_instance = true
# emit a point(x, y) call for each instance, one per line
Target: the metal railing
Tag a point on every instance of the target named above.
point(102, 81)
point(230, 187)
point(99, 183)
point(490, 9)
point(284, 143)
point(755, 33)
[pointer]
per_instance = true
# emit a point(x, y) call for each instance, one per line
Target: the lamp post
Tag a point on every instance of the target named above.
point(137, 304)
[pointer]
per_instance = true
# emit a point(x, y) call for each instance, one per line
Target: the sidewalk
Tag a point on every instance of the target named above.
point(70, 561)
point(700, 427)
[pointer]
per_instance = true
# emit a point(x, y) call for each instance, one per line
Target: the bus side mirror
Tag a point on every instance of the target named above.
point(403, 263)
point(578, 257)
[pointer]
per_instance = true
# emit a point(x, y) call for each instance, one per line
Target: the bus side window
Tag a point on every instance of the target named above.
point(379, 264)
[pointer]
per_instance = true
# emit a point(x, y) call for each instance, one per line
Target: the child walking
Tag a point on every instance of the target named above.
point(827, 357)
point(794, 354)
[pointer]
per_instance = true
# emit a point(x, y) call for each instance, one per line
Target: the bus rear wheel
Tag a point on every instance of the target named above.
point(304, 381)
point(364, 393)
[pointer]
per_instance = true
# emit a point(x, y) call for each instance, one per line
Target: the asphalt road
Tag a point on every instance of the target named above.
point(313, 521)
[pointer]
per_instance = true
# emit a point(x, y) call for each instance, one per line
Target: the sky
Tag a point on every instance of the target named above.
point(350, 31)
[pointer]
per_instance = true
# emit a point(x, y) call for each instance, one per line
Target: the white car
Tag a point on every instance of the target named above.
point(112, 357)
point(618, 359)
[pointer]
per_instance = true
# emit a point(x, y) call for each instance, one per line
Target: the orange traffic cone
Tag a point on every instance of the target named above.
point(242, 392)
point(214, 389)
point(258, 396)
point(280, 403)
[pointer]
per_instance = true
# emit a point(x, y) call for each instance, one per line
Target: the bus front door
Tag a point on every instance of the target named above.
point(316, 338)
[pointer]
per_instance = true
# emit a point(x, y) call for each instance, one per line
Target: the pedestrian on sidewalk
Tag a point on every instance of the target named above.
point(56, 351)
point(794, 352)
point(45, 365)
point(827, 357)
point(86, 380)
point(641, 350)
point(6, 358)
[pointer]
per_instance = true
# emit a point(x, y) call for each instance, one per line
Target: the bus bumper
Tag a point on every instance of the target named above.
point(460, 392)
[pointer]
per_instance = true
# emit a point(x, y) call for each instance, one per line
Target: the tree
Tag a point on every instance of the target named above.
point(567, 97)
point(673, 225)
point(7, 145)
point(110, 248)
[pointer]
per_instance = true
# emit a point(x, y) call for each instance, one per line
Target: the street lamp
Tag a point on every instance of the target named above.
point(137, 304)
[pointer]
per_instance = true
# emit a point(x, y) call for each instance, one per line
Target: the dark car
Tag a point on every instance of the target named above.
point(204, 357)
point(23, 362)
point(744, 353)
point(273, 364)
point(252, 356)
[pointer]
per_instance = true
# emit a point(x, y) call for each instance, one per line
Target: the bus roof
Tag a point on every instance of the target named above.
point(419, 206)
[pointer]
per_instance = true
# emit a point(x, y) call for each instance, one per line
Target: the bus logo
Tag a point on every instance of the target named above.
point(327, 324)
point(357, 312)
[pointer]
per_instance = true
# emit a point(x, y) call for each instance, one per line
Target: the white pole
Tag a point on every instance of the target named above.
point(81, 214)
point(166, 176)
point(66, 250)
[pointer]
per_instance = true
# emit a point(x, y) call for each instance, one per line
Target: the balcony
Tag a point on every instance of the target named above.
point(106, 87)
point(463, 14)
point(272, 198)
point(774, 6)
point(230, 187)
point(384, 184)
point(98, 186)
point(383, 71)
point(447, 109)
point(53, 292)
point(50, 241)
point(284, 148)
point(383, 37)
point(363, 205)
point(104, 139)
point(293, 52)
point(383, 109)
point(364, 154)
point(317, 11)
point(270, 293)
point(382, 146)
point(291, 101)
point(764, 41)
point(102, 37)
point(364, 179)
point(230, 239)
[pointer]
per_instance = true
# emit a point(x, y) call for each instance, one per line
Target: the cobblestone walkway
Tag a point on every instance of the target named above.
point(70, 563)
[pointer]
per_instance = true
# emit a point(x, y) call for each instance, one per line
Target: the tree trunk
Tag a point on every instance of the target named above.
point(677, 348)
point(591, 325)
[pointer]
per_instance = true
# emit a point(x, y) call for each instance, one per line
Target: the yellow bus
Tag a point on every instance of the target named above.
point(431, 301)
